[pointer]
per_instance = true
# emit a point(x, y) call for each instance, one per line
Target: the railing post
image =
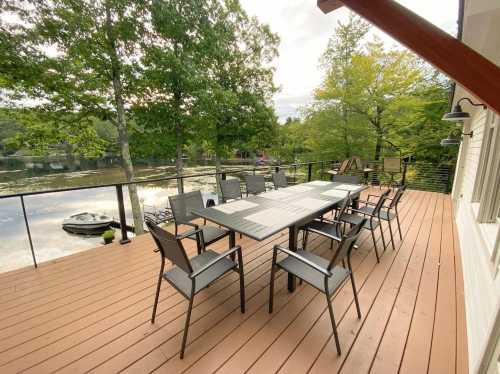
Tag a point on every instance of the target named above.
point(28, 231)
point(180, 184)
point(121, 211)
point(403, 179)
point(309, 172)
point(277, 169)
point(223, 176)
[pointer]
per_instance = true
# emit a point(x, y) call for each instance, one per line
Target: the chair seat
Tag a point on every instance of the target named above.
point(180, 279)
point(322, 227)
point(354, 219)
point(211, 233)
point(384, 214)
point(311, 276)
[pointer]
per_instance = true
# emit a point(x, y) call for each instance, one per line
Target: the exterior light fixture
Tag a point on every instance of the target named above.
point(458, 114)
point(451, 140)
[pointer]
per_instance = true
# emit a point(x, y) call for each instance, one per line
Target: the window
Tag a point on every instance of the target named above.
point(487, 189)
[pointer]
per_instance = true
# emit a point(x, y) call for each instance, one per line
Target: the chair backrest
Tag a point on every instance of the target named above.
point(392, 164)
point(342, 207)
point(344, 166)
point(255, 184)
point(183, 205)
point(170, 248)
point(230, 189)
point(397, 196)
point(345, 246)
point(380, 202)
point(279, 180)
point(356, 163)
point(351, 179)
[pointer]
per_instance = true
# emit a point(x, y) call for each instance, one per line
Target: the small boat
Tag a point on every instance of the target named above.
point(87, 223)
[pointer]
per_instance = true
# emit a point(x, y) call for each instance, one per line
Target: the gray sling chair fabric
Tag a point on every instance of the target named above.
point(230, 189)
point(182, 206)
point(190, 276)
point(255, 184)
point(279, 180)
point(350, 179)
point(326, 276)
point(372, 223)
point(329, 228)
point(387, 213)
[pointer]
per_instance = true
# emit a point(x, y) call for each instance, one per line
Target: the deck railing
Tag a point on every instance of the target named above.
point(416, 175)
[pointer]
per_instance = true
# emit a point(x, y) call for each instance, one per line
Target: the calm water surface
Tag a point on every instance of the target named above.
point(46, 212)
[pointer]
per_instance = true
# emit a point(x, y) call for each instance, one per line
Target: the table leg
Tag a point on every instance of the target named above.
point(232, 243)
point(292, 245)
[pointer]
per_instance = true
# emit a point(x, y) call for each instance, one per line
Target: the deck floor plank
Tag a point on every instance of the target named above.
point(90, 311)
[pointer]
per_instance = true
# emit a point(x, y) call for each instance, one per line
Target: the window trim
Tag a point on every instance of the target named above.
point(489, 204)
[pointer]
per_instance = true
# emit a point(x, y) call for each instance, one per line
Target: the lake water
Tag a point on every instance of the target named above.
point(46, 212)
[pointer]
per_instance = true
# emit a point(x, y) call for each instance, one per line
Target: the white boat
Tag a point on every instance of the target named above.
point(87, 223)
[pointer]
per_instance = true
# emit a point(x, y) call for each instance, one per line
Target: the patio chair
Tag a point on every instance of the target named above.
point(182, 206)
point(329, 228)
point(190, 276)
point(344, 166)
point(279, 180)
point(349, 179)
point(388, 213)
point(326, 276)
point(372, 223)
point(230, 189)
point(255, 184)
point(392, 166)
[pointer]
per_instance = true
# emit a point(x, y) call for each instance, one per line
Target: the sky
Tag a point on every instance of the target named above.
point(304, 31)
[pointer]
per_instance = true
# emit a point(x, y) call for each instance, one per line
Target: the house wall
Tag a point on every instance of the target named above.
point(477, 241)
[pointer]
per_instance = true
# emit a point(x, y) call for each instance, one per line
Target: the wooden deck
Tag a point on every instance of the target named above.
point(90, 312)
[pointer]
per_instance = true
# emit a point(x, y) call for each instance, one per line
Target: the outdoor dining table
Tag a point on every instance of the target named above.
point(261, 216)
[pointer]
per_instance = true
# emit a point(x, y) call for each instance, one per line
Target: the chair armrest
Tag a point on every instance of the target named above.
point(329, 236)
point(359, 211)
point(194, 225)
point(184, 235)
point(305, 261)
point(214, 261)
point(330, 220)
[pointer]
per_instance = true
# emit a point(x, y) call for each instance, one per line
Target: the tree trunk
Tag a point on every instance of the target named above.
point(378, 146)
point(127, 164)
point(179, 165)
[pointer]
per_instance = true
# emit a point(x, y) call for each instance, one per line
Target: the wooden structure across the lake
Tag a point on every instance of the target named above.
point(90, 311)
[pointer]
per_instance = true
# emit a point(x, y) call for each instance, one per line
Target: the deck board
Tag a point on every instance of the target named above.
point(90, 311)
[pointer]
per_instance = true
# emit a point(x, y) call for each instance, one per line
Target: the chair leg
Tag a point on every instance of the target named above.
point(158, 288)
point(331, 243)
point(356, 301)
point(382, 234)
point(399, 227)
point(186, 327)
point(334, 325)
point(271, 288)
point(305, 237)
point(392, 236)
point(375, 246)
point(242, 282)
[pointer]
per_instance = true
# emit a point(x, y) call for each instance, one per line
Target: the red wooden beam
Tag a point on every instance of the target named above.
point(461, 63)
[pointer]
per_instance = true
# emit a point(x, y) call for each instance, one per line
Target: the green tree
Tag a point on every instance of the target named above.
point(235, 109)
point(78, 57)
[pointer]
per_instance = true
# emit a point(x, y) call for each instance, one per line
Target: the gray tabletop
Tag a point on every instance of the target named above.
point(264, 215)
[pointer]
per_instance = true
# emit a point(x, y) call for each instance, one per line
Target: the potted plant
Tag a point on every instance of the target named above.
point(108, 236)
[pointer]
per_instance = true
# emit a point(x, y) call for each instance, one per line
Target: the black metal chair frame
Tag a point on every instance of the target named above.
point(312, 265)
point(390, 212)
point(371, 223)
point(185, 217)
point(171, 248)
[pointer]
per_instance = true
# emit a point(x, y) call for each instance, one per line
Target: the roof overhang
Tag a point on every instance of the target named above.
point(328, 6)
point(474, 72)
